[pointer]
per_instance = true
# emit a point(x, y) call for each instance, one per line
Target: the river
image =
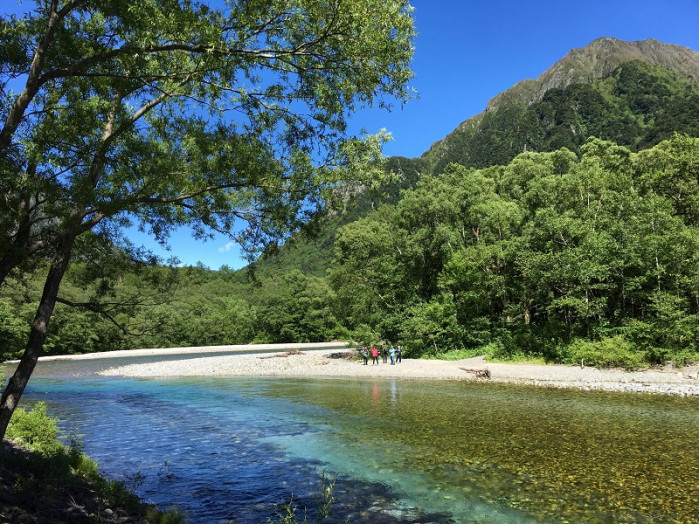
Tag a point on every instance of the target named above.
point(401, 450)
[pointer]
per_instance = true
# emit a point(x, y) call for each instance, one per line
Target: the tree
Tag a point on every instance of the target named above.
point(173, 112)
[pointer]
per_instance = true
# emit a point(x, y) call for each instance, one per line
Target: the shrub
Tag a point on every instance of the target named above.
point(606, 353)
point(679, 358)
point(81, 464)
point(35, 430)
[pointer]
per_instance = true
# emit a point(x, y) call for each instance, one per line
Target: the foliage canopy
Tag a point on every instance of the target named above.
point(175, 112)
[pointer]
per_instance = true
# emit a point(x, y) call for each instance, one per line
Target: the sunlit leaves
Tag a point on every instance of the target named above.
point(194, 113)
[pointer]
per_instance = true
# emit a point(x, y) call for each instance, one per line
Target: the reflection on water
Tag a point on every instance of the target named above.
point(403, 450)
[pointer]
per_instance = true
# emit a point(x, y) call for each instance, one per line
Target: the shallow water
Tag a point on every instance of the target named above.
point(402, 450)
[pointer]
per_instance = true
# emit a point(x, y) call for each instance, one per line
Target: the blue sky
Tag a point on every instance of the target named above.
point(466, 52)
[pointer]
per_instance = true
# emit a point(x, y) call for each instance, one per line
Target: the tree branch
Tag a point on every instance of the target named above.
point(97, 307)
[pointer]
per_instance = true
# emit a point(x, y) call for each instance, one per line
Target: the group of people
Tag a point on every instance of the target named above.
point(395, 353)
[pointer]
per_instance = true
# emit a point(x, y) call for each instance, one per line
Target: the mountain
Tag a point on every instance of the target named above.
point(598, 60)
point(634, 93)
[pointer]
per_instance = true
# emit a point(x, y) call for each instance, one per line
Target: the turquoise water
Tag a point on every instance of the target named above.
point(231, 450)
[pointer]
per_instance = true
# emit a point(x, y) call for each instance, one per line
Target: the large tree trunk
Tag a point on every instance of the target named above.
point(37, 335)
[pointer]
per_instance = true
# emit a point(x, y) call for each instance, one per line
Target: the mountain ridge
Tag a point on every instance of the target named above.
point(583, 65)
point(598, 59)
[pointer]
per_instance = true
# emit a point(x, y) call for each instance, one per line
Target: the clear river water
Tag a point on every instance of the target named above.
point(401, 450)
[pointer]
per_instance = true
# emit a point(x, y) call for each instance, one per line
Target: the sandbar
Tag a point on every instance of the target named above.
point(337, 360)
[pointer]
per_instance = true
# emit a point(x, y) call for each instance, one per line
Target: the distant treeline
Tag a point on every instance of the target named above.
point(156, 306)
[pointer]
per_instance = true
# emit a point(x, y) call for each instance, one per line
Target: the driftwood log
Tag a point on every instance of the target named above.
point(479, 372)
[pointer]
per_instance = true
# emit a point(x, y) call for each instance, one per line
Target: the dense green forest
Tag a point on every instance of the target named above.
point(636, 104)
point(157, 306)
point(551, 255)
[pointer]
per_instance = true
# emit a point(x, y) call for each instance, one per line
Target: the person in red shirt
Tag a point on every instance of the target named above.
point(374, 355)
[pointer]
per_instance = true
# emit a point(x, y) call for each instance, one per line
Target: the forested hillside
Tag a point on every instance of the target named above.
point(633, 93)
point(552, 255)
point(637, 105)
point(561, 222)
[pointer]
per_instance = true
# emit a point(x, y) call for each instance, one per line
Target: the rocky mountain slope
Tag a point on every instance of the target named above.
point(507, 117)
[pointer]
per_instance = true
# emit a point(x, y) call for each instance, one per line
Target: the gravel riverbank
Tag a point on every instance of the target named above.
point(292, 360)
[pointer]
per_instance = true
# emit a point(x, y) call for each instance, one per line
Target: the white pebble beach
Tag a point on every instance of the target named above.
point(330, 360)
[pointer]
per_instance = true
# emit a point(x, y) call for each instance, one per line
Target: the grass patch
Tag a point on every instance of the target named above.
point(517, 358)
point(493, 352)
